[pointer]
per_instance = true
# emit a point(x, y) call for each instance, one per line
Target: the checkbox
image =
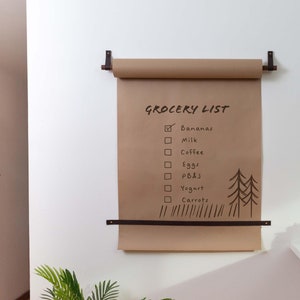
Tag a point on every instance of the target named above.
point(167, 164)
point(167, 199)
point(168, 152)
point(168, 140)
point(168, 128)
point(167, 188)
point(167, 176)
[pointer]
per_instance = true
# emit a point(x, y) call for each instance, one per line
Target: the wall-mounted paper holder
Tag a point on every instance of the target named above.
point(269, 67)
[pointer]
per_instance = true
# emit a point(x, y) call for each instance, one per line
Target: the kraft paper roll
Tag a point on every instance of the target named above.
point(188, 68)
point(189, 149)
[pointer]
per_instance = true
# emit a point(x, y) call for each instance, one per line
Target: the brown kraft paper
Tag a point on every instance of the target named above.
point(189, 149)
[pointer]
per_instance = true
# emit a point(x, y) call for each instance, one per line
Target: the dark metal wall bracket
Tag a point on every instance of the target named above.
point(269, 67)
point(108, 58)
point(188, 223)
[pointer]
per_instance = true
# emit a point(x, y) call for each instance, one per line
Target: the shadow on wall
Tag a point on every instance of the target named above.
point(268, 275)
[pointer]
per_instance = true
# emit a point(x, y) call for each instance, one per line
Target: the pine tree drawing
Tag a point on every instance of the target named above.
point(250, 195)
point(239, 186)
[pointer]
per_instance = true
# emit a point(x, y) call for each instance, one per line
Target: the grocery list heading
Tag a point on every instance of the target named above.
point(186, 109)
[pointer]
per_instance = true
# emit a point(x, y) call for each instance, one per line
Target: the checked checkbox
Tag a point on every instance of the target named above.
point(168, 128)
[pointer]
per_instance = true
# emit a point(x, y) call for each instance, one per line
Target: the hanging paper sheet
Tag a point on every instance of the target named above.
point(189, 149)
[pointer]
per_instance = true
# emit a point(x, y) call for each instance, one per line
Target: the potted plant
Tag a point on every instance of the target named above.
point(65, 286)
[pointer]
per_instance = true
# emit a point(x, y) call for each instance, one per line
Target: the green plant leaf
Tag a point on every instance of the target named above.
point(65, 285)
point(50, 274)
point(49, 295)
point(105, 290)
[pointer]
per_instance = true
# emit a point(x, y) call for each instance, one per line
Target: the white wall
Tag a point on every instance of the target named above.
point(14, 235)
point(72, 140)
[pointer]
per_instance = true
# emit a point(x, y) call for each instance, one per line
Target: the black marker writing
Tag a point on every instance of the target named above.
point(215, 108)
point(190, 109)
